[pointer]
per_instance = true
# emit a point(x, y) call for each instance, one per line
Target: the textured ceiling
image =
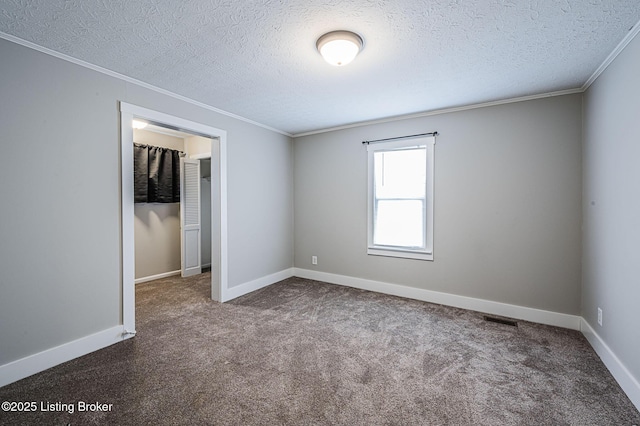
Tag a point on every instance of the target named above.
point(257, 58)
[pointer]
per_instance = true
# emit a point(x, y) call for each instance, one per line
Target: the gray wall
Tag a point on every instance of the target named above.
point(60, 222)
point(156, 226)
point(158, 139)
point(507, 204)
point(611, 206)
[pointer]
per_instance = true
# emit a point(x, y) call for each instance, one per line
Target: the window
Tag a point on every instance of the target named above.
point(401, 198)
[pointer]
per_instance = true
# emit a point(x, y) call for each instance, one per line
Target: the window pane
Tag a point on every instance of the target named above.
point(400, 173)
point(399, 223)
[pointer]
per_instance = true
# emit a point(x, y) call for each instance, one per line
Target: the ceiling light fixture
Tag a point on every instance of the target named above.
point(137, 124)
point(339, 47)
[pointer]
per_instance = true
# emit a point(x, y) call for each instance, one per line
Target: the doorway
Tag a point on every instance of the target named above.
point(218, 199)
point(172, 224)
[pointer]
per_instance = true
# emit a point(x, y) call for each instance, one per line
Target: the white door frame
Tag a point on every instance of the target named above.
point(219, 267)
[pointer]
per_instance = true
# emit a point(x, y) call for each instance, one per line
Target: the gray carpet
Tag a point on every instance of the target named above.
point(302, 352)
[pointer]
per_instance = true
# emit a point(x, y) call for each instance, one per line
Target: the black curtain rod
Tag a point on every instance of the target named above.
point(401, 137)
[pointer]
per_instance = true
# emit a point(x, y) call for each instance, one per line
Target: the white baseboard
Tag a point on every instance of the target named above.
point(248, 287)
point(157, 276)
point(623, 376)
point(480, 305)
point(25, 367)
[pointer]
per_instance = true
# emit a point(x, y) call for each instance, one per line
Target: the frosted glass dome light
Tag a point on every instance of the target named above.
point(339, 47)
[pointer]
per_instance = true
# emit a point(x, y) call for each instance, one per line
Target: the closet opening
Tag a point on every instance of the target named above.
point(177, 228)
point(172, 197)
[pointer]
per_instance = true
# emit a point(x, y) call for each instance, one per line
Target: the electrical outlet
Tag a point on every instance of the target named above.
point(600, 317)
point(314, 260)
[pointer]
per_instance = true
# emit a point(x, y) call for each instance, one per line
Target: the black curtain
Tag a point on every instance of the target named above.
point(156, 174)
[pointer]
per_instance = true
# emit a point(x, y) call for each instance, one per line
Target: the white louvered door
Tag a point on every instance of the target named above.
point(190, 223)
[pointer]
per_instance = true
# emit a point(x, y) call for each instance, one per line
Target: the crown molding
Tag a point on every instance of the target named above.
point(633, 32)
point(441, 111)
point(128, 79)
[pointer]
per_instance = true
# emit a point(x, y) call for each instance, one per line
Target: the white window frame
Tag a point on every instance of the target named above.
point(403, 252)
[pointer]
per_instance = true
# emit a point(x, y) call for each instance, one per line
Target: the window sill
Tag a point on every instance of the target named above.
point(406, 254)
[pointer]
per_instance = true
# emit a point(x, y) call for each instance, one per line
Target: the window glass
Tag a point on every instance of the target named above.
point(400, 190)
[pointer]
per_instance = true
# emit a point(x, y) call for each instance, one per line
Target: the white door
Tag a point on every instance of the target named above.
point(190, 223)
